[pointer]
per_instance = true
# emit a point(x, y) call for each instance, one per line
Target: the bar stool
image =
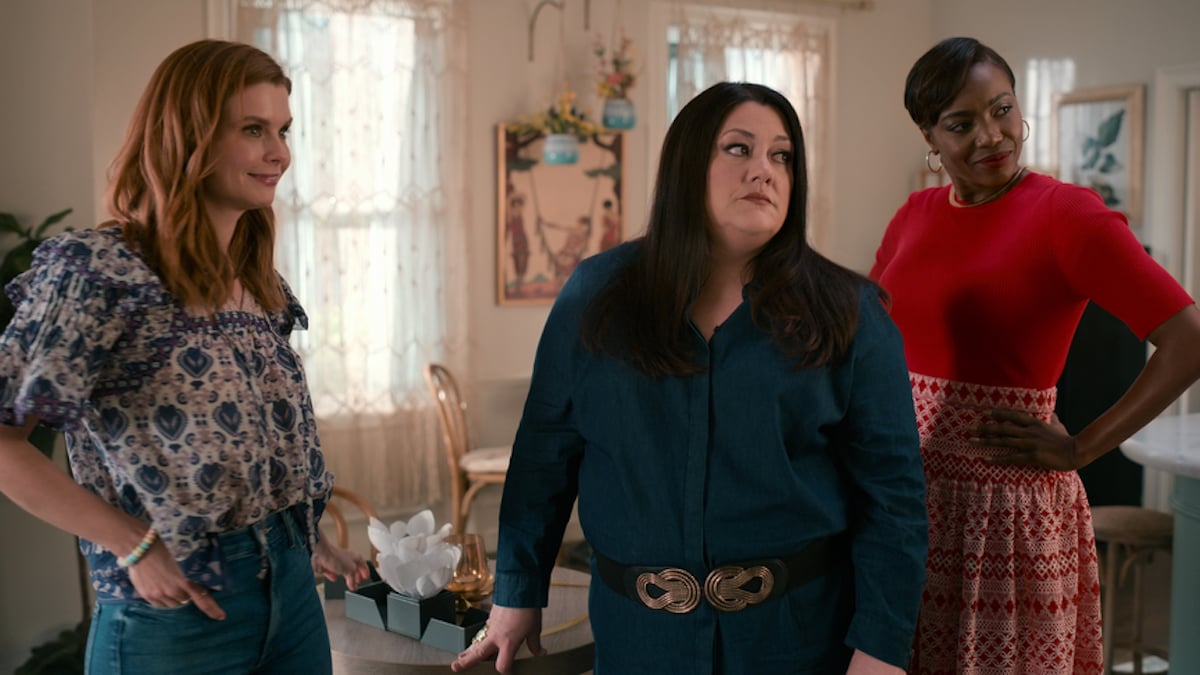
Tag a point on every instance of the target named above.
point(1131, 536)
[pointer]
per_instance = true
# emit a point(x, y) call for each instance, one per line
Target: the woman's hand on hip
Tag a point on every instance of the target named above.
point(160, 582)
point(332, 562)
point(1033, 442)
point(506, 629)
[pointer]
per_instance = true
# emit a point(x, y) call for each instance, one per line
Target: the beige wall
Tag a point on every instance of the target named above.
point(876, 149)
point(122, 66)
point(71, 70)
point(70, 73)
point(45, 166)
point(45, 120)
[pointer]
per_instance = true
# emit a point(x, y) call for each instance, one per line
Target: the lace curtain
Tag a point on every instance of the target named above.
point(371, 221)
point(1044, 79)
point(785, 51)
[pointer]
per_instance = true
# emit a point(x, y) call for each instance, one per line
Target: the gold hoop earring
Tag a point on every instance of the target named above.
point(1025, 123)
point(929, 164)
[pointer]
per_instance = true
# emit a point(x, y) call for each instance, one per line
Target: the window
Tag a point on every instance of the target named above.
point(1044, 78)
point(370, 234)
point(788, 52)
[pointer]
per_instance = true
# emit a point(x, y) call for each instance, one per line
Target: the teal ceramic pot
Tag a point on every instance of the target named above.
point(619, 113)
point(560, 149)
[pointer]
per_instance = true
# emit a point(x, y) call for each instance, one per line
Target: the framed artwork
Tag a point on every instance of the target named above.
point(551, 216)
point(1098, 138)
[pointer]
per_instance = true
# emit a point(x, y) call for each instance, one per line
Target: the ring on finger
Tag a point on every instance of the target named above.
point(184, 603)
point(480, 636)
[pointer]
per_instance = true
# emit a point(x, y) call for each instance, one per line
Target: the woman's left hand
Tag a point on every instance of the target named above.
point(1034, 442)
point(333, 562)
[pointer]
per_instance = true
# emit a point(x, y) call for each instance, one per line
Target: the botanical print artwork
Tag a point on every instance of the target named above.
point(1097, 152)
point(1099, 144)
point(552, 216)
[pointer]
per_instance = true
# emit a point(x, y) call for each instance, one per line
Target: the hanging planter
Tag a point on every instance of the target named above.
point(560, 149)
point(619, 113)
point(563, 125)
point(614, 79)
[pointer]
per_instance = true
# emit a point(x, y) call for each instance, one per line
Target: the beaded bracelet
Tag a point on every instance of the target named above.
point(140, 551)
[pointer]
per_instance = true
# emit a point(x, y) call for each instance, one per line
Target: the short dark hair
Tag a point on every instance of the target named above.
point(940, 73)
point(809, 303)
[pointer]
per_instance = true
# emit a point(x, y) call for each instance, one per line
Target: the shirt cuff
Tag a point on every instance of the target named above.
point(513, 589)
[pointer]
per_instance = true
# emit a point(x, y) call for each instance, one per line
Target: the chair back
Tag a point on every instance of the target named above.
point(452, 412)
point(339, 519)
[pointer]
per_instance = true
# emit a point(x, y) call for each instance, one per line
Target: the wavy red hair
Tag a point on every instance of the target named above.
point(156, 181)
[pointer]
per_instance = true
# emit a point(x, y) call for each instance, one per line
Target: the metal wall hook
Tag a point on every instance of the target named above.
point(557, 4)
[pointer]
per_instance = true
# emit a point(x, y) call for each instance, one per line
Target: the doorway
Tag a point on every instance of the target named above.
point(1191, 232)
point(1174, 211)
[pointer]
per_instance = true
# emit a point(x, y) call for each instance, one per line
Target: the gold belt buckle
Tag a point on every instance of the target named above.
point(725, 587)
point(681, 591)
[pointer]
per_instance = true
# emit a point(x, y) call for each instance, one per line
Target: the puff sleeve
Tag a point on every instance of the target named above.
point(69, 315)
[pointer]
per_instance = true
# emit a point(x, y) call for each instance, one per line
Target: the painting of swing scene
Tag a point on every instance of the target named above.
point(551, 216)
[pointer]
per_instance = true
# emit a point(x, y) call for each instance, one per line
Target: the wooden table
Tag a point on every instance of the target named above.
point(359, 649)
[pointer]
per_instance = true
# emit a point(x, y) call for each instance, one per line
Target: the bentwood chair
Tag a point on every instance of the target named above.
point(334, 511)
point(471, 469)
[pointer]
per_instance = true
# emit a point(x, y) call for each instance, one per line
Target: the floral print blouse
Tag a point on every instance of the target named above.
point(196, 424)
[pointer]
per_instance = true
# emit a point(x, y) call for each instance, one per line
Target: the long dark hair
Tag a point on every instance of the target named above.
point(807, 302)
point(937, 77)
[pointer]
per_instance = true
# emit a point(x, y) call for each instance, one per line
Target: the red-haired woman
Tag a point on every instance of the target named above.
point(158, 344)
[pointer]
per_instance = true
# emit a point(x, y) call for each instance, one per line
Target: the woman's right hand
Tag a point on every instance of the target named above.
point(37, 485)
point(507, 628)
point(160, 582)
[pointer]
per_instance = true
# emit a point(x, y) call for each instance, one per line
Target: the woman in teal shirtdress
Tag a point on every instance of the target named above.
point(717, 393)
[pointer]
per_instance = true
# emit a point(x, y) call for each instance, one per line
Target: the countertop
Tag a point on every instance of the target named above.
point(1169, 443)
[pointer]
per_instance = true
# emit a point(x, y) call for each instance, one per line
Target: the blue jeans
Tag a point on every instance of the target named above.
point(274, 622)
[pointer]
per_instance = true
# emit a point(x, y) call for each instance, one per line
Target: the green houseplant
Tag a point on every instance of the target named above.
point(20, 257)
point(561, 117)
point(17, 260)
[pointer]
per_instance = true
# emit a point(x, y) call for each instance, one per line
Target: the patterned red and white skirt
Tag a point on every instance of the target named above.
point(1012, 581)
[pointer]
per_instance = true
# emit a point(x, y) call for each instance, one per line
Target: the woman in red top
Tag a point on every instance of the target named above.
point(989, 277)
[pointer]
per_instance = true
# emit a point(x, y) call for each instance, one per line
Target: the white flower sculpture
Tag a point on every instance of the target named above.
point(413, 558)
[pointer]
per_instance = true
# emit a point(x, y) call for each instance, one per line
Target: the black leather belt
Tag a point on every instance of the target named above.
point(728, 588)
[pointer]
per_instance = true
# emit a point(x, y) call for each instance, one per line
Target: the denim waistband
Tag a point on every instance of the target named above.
point(207, 565)
point(279, 528)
